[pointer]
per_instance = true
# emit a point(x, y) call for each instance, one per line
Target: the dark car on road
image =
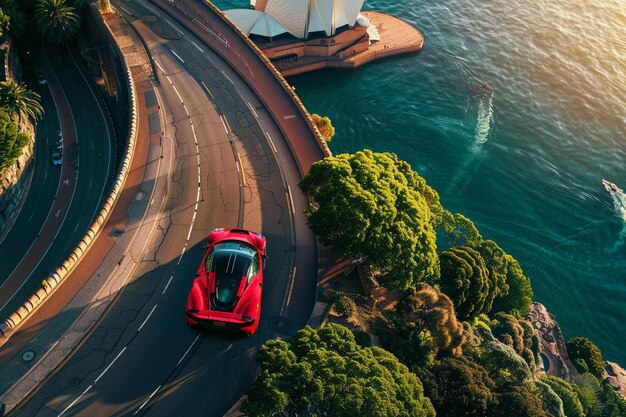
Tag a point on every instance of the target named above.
point(226, 292)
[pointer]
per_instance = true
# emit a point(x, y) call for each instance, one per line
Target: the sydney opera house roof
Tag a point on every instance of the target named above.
point(297, 17)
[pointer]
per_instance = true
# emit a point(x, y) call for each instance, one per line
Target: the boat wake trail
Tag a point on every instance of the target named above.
point(485, 117)
point(619, 203)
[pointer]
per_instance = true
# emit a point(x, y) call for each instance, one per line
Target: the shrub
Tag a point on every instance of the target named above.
point(345, 307)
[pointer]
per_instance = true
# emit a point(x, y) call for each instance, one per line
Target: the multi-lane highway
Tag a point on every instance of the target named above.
point(234, 168)
point(52, 220)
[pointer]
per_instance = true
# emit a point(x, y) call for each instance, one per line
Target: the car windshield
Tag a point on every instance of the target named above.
point(230, 261)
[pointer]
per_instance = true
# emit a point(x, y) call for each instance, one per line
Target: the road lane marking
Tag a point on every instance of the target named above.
point(290, 200)
point(158, 65)
point(188, 349)
point(111, 364)
point(146, 402)
point(243, 171)
point(207, 89)
point(76, 228)
point(75, 401)
point(196, 45)
point(126, 11)
point(177, 56)
point(253, 111)
point(179, 97)
point(31, 217)
point(269, 138)
point(224, 123)
point(228, 78)
point(147, 318)
point(167, 285)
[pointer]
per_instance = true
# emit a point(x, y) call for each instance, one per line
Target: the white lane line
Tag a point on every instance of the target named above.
point(290, 199)
point(197, 198)
point(90, 182)
point(192, 343)
point(252, 110)
point(159, 65)
point(177, 56)
point(75, 401)
point(126, 11)
point(228, 78)
point(179, 97)
point(224, 123)
point(293, 279)
point(181, 255)
point(167, 285)
point(146, 402)
point(111, 364)
point(207, 89)
point(76, 228)
point(31, 217)
point(269, 138)
point(196, 45)
point(147, 318)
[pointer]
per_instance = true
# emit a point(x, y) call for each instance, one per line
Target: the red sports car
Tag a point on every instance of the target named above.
point(226, 293)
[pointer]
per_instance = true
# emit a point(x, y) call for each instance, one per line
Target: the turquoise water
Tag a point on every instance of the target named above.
point(526, 164)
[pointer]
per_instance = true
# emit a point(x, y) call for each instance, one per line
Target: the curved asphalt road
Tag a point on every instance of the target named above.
point(142, 359)
point(57, 213)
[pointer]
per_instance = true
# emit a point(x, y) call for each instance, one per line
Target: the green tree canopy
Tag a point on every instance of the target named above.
point(466, 280)
point(325, 372)
point(567, 393)
point(503, 364)
point(432, 311)
point(373, 207)
point(519, 402)
point(550, 401)
point(5, 23)
point(517, 334)
point(19, 101)
point(459, 230)
point(586, 356)
point(15, 22)
point(324, 126)
point(458, 387)
point(518, 296)
point(12, 141)
point(57, 20)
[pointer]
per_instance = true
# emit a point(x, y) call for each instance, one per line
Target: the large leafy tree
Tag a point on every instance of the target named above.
point(517, 334)
point(458, 387)
point(11, 140)
point(466, 280)
point(432, 311)
point(519, 402)
point(15, 23)
point(19, 101)
point(373, 207)
point(572, 406)
point(586, 356)
point(503, 364)
point(516, 299)
point(325, 372)
point(550, 401)
point(459, 230)
point(58, 21)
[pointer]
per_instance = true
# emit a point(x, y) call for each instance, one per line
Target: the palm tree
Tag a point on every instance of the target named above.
point(19, 101)
point(57, 20)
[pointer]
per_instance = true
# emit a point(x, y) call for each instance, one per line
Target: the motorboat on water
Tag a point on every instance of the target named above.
point(612, 188)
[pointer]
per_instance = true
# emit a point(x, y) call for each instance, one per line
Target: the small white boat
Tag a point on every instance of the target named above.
point(612, 188)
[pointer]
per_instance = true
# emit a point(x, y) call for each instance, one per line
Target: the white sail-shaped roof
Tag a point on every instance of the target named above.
point(298, 17)
point(268, 27)
point(293, 15)
point(351, 9)
point(254, 22)
point(321, 16)
point(245, 19)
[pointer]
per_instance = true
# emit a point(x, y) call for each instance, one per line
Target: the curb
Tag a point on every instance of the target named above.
point(48, 286)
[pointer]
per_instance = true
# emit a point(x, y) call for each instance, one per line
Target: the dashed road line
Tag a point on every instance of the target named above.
point(177, 56)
